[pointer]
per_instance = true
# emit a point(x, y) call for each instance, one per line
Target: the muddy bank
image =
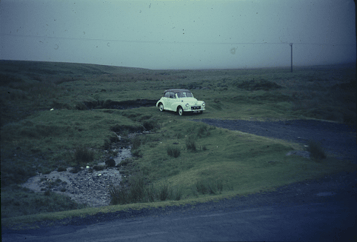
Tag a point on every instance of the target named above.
point(109, 104)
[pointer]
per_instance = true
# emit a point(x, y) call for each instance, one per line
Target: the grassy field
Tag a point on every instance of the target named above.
point(50, 111)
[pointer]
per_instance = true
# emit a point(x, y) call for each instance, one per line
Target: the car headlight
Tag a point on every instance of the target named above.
point(203, 104)
point(186, 104)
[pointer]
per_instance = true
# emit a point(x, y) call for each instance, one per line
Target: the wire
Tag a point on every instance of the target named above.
point(177, 42)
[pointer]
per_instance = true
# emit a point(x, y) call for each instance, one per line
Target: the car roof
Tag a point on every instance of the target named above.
point(177, 90)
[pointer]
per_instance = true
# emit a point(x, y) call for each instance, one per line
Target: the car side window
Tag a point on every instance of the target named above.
point(172, 95)
point(167, 94)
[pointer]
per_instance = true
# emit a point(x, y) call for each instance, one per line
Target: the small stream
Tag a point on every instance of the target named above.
point(87, 186)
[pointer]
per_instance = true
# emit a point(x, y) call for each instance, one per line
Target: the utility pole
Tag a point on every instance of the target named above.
point(291, 46)
point(356, 31)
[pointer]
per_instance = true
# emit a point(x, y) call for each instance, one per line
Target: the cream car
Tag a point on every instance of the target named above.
point(180, 101)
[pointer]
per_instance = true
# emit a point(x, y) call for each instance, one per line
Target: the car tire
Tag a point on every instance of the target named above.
point(161, 107)
point(180, 111)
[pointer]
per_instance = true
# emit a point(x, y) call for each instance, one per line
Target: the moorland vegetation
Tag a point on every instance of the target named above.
point(56, 115)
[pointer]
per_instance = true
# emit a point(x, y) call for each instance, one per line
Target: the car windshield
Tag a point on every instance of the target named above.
point(184, 94)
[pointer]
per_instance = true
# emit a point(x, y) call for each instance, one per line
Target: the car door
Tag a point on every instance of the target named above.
point(174, 101)
point(169, 101)
point(165, 100)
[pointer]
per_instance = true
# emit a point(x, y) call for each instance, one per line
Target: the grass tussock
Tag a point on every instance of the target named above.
point(83, 156)
point(316, 150)
point(173, 151)
point(138, 191)
point(191, 144)
point(151, 124)
point(136, 142)
point(13, 172)
point(18, 201)
point(205, 186)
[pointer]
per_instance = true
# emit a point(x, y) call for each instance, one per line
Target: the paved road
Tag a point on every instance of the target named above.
point(322, 210)
point(336, 138)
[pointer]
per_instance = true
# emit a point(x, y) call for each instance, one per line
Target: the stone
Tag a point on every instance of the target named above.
point(75, 169)
point(99, 167)
point(110, 162)
point(61, 168)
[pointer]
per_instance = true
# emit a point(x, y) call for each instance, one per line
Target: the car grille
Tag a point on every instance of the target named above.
point(195, 107)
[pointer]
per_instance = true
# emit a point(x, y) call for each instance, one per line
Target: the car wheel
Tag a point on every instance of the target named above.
point(161, 107)
point(180, 111)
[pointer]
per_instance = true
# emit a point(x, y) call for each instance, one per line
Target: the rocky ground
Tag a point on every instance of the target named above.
point(87, 186)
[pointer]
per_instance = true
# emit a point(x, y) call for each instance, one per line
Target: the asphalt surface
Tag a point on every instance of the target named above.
point(336, 138)
point(313, 210)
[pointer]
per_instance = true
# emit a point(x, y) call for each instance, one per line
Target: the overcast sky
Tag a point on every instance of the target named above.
point(169, 34)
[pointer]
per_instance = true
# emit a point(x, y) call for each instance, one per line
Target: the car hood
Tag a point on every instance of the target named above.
point(190, 100)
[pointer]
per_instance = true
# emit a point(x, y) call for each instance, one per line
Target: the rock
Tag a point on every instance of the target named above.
point(98, 167)
point(75, 169)
point(61, 168)
point(110, 162)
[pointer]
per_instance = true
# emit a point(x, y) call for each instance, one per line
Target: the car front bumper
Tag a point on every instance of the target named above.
point(194, 109)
